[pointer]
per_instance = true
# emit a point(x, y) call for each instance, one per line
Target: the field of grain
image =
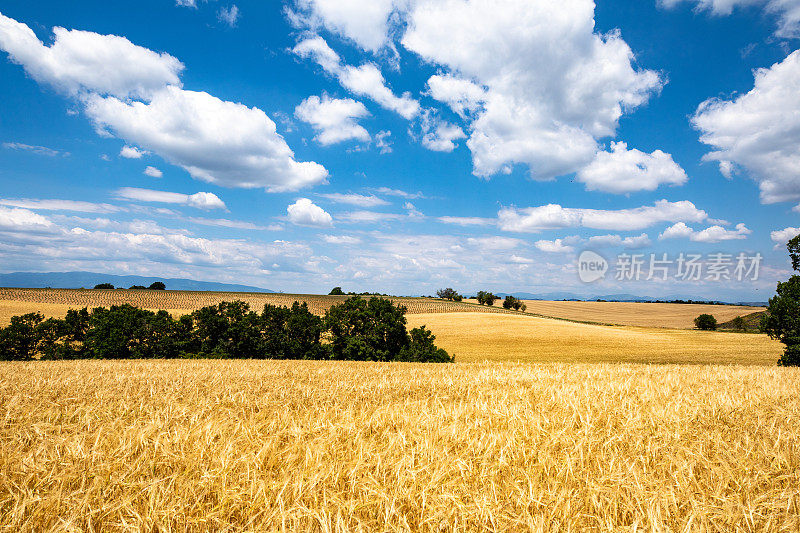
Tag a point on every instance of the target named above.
point(56, 302)
point(480, 337)
point(323, 446)
point(653, 315)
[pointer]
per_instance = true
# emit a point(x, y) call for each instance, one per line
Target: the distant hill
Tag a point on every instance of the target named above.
point(76, 280)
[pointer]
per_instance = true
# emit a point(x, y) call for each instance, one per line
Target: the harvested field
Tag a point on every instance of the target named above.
point(654, 315)
point(316, 446)
point(480, 337)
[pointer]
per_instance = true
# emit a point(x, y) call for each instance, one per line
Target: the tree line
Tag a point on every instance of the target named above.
point(354, 330)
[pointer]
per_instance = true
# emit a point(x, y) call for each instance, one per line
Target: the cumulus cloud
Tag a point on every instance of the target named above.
point(554, 216)
point(711, 234)
point(131, 152)
point(439, 135)
point(183, 127)
point(552, 84)
point(782, 236)
point(759, 130)
point(333, 119)
point(360, 200)
point(153, 172)
point(463, 96)
point(135, 94)
point(787, 11)
point(622, 170)
point(115, 66)
point(23, 220)
point(200, 200)
point(632, 242)
point(556, 246)
point(366, 23)
point(365, 80)
point(305, 213)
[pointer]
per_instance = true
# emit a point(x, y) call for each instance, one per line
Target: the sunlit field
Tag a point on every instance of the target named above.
point(481, 337)
point(316, 446)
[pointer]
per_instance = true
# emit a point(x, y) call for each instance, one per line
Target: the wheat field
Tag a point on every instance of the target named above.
point(321, 446)
point(56, 302)
point(646, 314)
point(509, 337)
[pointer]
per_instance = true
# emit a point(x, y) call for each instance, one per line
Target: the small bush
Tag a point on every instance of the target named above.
point(706, 322)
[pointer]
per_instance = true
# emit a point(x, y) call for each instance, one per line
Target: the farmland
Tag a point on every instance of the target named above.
point(481, 337)
point(56, 302)
point(316, 446)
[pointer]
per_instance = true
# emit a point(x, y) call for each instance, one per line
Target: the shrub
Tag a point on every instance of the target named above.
point(104, 286)
point(157, 286)
point(137, 288)
point(739, 324)
point(706, 322)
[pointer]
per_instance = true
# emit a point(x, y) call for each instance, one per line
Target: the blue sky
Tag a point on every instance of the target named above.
point(401, 145)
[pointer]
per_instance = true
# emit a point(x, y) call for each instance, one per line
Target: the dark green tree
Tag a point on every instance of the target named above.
point(19, 340)
point(336, 291)
point(157, 286)
point(104, 286)
point(706, 322)
point(449, 294)
point(366, 330)
point(421, 349)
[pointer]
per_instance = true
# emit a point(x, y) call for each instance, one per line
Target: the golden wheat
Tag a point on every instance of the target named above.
point(316, 446)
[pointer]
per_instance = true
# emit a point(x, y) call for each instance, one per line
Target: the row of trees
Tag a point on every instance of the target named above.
point(155, 286)
point(355, 330)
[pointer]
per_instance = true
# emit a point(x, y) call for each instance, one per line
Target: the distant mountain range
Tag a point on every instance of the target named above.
point(76, 280)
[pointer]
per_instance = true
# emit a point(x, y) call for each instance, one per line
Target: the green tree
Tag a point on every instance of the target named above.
point(19, 340)
point(421, 348)
point(738, 324)
point(157, 286)
point(366, 330)
point(706, 322)
point(449, 294)
point(336, 291)
point(104, 286)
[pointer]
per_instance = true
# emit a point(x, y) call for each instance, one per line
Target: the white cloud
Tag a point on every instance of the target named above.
point(556, 246)
point(365, 80)
point(305, 213)
point(759, 130)
point(200, 200)
point(79, 61)
point(333, 119)
point(39, 150)
point(59, 205)
point(360, 200)
point(554, 216)
point(552, 85)
point(131, 152)
point(229, 15)
point(711, 234)
point(494, 243)
point(341, 239)
point(184, 128)
point(787, 11)
point(22, 220)
point(622, 170)
point(439, 135)
point(234, 224)
point(400, 193)
point(366, 23)
point(382, 141)
point(782, 236)
point(467, 221)
point(367, 217)
point(181, 126)
point(463, 96)
point(153, 172)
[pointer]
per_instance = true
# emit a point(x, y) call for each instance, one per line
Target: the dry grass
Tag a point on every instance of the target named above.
point(480, 337)
point(315, 446)
point(56, 302)
point(654, 315)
